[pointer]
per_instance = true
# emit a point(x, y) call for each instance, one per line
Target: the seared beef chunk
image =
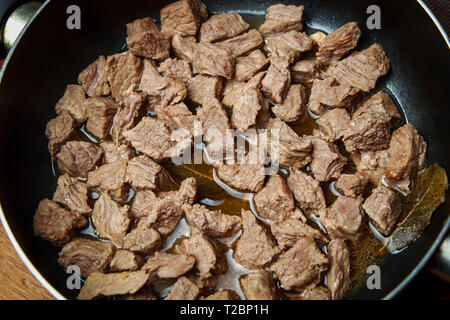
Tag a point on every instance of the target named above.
point(222, 294)
point(130, 109)
point(184, 47)
point(351, 185)
point(73, 102)
point(144, 39)
point(183, 17)
point(125, 260)
point(338, 43)
point(183, 289)
point(301, 265)
point(294, 106)
point(328, 94)
point(113, 153)
point(259, 286)
point(165, 216)
point(203, 250)
point(142, 239)
point(318, 37)
point(248, 66)
point(316, 293)
point(187, 192)
point(73, 194)
point(58, 131)
point(277, 80)
point(333, 124)
point(176, 68)
point(255, 248)
point(223, 26)
point(212, 223)
point(344, 219)
point(213, 60)
point(381, 103)
point(383, 208)
point(371, 164)
point(289, 46)
point(305, 70)
point(169, 265)
point(288, 232)
point(338, 276)
point(281, 18)
point(274, 201)
point(327, 163)
point(143, 203)
point(205, 90)
point(110, 177)
point(111, 220)
point(178, 116)
point(145, 293)
point(94, 79)
point(144, 173)
point(89, 254)
point(232, 92)
point(361, 70)
point(243, 44)
point(290, 149)
point(100, 284)
point(124, 71)
point(307, 191)
point(407, 157)
point(56, 224)
point(100, 113)
point(77, 158)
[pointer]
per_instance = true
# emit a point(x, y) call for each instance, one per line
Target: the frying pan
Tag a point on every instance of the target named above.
point(49, 56)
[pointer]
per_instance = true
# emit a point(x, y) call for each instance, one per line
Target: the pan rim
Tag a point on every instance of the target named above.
point(398, 288)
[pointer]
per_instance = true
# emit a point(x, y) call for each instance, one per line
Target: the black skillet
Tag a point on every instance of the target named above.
point(49, 56)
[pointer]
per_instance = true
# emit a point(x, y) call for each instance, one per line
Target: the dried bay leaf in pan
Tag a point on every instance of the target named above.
point(427, 194)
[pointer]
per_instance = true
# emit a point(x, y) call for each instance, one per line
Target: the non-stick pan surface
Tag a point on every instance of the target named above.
point(49, 56)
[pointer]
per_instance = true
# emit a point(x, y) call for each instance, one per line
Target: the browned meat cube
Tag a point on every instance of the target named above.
point(124, 70)
point(243, 44)
point(286, 147)
point(205, 89)
point(112, 284)
point(301, 265)
point(113, 153)
point(89, 254)
point(56, 224)
point(338, 43)
point(232, 92)
point(144, 39)
point(223, 295)
point(293, 107)
point(125, 260)
point(318, 37)
point(73, 194)
point(259, 286)
point(307, 191)
point(111, 220)
point(213, 60)
point(333, 124)
point(58, 131)
point(178, 116)
point(328, 94)
point(169, 265)
point(288, 232)
point(305, 70)
point(176, 68)
point(255, 248)
point(248, 66)
point(145, 293)
point(275, 84)
point(338, 276)
point(212, 223)
point(100, 112)
point(203, 250)
point(289, 46)
point(344, 219)
point(361, 70)
point(316, 293)
point(77, 158)
point(94, 79)
point(222, 26)
point(144, 173)
point(281, 18)
point(183, 47)
point(143, 203)
point(142, 239)
point(371, 164)
point(407, 157)
point(73, 102)
point(130, 111)
point(183, 17)
point(351, 185)
point(383, 208)
point(110, 176)
point(381, 103)
point(327, 162)
point(165, 216)
point(183, 289)
point(274, 201)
